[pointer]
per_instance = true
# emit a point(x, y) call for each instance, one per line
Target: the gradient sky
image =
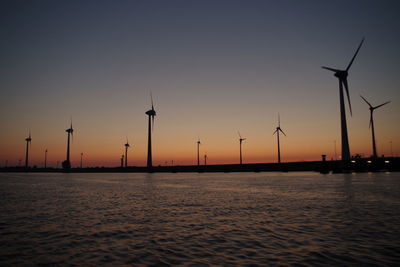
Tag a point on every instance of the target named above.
point(214, 67)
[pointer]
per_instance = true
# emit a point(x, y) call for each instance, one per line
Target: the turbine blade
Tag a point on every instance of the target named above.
point(279, 120)
point(382, 105)
point(370, 120)
point(346, 86)
point(275, 131)
point(282, 131)
point(239, 135)
point(358, 49)
point(151, 96)
point(152, 123)
point(366, 101)
point(331, 69)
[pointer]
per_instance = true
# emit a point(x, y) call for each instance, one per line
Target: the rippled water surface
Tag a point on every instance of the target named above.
point(200, 219)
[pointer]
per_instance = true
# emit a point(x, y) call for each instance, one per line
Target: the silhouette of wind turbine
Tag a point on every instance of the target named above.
point(371, 123)
point(67, 163)
point(45, 158)
point(151, 113)
point(278, 129)
point(342, 76)
point(198, 151)
point(126, 152)
point(240, 146)
point(28, 144)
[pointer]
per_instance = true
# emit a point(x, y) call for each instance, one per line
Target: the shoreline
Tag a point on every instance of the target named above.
point(355, 165)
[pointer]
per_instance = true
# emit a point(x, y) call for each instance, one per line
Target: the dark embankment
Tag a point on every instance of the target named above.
point(355, 165)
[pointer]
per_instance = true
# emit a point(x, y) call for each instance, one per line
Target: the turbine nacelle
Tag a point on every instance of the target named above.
point(151, 112)
point(28, 139)
point(341, 74)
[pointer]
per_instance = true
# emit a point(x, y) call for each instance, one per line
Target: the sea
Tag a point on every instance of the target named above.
point(200, 219)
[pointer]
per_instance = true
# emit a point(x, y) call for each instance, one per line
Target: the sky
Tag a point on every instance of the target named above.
point(214, 68)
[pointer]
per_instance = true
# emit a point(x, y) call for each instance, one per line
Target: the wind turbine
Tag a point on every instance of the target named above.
point(342, 76)
point(278, 129)
point(126, 152)
point(28, 144)
point(198, 151)
point(151, 113)
point(67, 163)
point(371, 123)
point(81, 159)
point(45, 158)
point(240, 147)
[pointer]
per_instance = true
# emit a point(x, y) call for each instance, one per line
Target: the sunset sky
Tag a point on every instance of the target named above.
point(214, 68)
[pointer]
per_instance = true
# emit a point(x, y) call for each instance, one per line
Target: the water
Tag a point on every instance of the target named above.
point(200, 219)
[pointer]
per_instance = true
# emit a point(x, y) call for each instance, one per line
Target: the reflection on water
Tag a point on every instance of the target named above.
point(200, 219)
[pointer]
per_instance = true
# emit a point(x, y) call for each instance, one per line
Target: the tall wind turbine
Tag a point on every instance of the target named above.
point(151, 113)
point(198, 151)
point(278, 129)
point(342, 76)
point(240, 147)
point(28, 144)
point(126, 152)
point(67, 163)
point(371, 123)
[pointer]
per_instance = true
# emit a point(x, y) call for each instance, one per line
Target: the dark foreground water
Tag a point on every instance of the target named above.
point(306, 219)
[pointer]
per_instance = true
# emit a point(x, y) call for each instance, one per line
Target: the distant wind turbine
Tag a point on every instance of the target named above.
point(126, 152)
point(240, 147)
point(151, 113)
point(81, 160)
point(278, 129)
point(67, 163)
point(371, 123)
point(342, 76)
point(28, 144)
point(45, 158)
point(198, 151)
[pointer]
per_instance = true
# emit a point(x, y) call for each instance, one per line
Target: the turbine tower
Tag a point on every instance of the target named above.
point(342, 76)
point(28, 144)
point(126, 152)
point(278, 129)
point(151, 113)
point(198, 151)
point(371, 124)
point(240, 147)
point(67, 163)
